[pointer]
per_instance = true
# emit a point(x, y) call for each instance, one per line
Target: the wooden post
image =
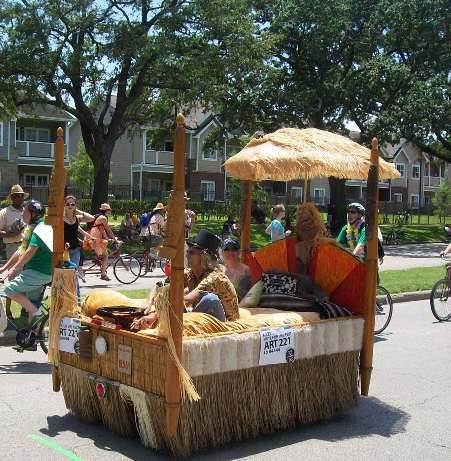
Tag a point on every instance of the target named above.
point(246, 206)
point(306, 186)
point(366, 355)
point(173, 390)
point(55, 216)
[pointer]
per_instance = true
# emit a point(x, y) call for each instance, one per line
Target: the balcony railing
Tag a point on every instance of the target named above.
point(159, 157)
point(37, 149)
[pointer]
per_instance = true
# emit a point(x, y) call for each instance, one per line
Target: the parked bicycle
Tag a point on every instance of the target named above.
point(384, 309)
point(441, 296)
point(27, 338)
point(126, 268)
point(395, 235)
point(149, 260)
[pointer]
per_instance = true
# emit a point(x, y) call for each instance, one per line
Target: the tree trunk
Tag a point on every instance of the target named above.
point(101, 161)
point(337, 198)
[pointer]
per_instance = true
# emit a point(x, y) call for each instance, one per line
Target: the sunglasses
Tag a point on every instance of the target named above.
point(70, 204)
point(353, 212)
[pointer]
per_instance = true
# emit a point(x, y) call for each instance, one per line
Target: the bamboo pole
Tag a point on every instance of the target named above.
point(366, 355)
point(177, 220)
point(246, 206)
point(55, 216)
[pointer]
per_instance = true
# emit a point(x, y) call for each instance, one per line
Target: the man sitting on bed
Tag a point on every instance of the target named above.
point(207, 288)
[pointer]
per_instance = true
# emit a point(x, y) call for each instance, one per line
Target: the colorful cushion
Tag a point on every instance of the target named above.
point(276, 283)
point(252, 297)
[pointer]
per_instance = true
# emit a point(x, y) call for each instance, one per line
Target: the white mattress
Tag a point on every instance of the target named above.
point(206, 356)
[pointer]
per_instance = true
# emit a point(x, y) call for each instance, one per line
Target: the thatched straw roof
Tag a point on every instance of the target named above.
point(291, 153)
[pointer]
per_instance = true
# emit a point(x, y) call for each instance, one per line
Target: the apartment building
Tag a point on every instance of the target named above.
point(27, 148)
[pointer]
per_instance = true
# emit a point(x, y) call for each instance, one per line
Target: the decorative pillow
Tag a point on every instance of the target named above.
point(252, 297)
point(276, 283)
point(285, 302)
point(306, 287)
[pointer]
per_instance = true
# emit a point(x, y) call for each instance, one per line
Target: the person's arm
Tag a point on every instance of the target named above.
point(11, 261)
point(446, 251)
point(82, 216)
point(268, 229)
point(23, 259)
point(85, 234)
point(341, 239)
point(191, 297)
point(106, 227)
point(359, 249)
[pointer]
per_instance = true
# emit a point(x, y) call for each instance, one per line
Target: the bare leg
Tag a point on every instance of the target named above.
point(8, 308)
point(21, 299)
point(104, 266)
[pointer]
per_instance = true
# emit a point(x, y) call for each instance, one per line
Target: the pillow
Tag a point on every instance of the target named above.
point(252, 297)
point(107, 298)
point(305, 285)
point(276, 283)
point(285, 302)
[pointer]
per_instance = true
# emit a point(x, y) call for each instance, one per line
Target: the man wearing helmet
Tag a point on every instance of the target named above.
point(352, 235)
point(29, 269)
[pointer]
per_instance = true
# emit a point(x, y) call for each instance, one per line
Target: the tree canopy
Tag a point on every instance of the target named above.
point(108, 61)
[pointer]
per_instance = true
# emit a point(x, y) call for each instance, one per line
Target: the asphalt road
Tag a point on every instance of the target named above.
point(406, 417)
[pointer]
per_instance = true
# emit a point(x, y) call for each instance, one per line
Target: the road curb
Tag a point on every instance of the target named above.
point(9, 337)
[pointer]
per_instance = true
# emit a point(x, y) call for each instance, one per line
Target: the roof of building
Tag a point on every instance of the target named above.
point(44, 111)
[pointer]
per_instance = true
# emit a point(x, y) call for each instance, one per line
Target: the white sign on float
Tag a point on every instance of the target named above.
point(69, 329)
point(276, 346)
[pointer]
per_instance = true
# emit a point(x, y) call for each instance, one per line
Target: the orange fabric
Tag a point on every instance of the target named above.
point(255, 268)
point(351, 292)
point(291, 254)
point(331, 265)
point(273, 256)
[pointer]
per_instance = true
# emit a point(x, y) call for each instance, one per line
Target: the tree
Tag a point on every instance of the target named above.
point(108, 62)
point(383, 64)
point(442, 200)
point(81, 169)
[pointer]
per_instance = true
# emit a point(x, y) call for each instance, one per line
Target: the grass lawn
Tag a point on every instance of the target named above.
point(419, 233)
point(418, 279)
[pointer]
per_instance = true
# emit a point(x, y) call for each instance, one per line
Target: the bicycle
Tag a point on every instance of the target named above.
point(149, 261)
point(126, 268)
point(384, 309)
point(26, 337)
point(395, 235)
point(440, 298)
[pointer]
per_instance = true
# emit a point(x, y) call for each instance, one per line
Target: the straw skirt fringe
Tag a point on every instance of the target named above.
point(234, 406)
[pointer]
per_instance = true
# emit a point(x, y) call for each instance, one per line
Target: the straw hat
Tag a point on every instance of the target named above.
point(17, 189)
point(105, 207)
point(159, 206)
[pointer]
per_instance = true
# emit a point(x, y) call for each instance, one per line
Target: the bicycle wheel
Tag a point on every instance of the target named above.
point(441, 300)
point(384, 309)
point(43, 334)
point(126, 269)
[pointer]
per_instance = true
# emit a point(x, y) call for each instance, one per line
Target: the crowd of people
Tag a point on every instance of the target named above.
point(215, 278)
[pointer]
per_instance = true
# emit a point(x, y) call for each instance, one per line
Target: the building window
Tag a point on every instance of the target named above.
point(319, 196)
point(414, 201)
point(207, 189)
point(154, 186)
point(296, 193)
point(33, 134)
point(39, 180)
point(401, 168)
point(426, 170)
point(427, 200)
point(415, 171)
point(397, 197)
point(1, 133)
point(169, 146)
point(209, 154)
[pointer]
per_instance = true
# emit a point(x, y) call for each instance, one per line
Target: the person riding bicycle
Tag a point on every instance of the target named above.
point(102, 234)
point(353, 234)
point(30, 268)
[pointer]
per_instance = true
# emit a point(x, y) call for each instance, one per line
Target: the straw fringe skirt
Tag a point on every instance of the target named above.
point(234, 406)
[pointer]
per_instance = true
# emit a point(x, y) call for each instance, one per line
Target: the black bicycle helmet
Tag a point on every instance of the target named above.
point(35, 208)
point(356, 206)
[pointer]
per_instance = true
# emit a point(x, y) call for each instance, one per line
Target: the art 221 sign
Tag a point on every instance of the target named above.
point(276, 346)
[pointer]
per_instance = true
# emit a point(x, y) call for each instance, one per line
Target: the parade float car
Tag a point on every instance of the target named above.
point(194, 382)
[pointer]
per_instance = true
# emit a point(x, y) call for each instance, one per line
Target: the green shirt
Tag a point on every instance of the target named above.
point(342, 238)
point(42, 259)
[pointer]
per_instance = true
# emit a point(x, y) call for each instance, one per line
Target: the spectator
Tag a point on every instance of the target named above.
point(156, 225)
point(73, 217)
point(276, 229)
point(190, 218)
point(11, 226)
point(257, 213)
point(230, 228)
point(127, 227)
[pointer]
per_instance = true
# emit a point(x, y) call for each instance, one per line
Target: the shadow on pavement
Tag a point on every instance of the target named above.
point(372, 417)
point(26, 368)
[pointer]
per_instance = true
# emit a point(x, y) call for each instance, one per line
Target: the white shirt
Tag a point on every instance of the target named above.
point(156, 224)
point(8, 217)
